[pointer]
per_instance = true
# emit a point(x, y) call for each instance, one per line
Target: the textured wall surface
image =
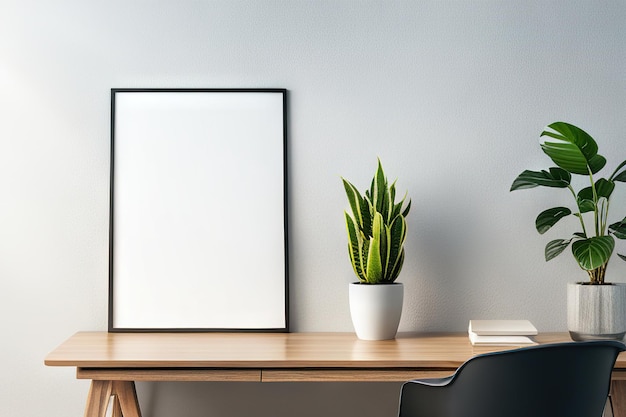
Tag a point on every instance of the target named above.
point(451, 95)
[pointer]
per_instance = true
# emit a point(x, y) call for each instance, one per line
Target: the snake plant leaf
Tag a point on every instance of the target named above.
point(407, 209)
point(384, 250)
point(556, 177)
point(593, 252)
point(555, 247)
point(622, 256)
point(354, 247)
point(550, 217)
point(398, 207)
point(390, 206)
point(395, 256)
point(619, 229)
point(572, 149)
point(374, 268)
point(367, 210)
point(365, 250)
point(395, 272)
point(378, 188)
point(360, 208)
point(355, 199)
point(395, 212)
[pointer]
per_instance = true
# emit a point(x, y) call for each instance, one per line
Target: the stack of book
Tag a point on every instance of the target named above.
point(501, 332)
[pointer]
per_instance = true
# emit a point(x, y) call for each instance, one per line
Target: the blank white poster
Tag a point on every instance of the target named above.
point(198, 210)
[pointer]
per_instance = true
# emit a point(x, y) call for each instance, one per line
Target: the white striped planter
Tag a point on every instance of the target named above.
point(596, 311)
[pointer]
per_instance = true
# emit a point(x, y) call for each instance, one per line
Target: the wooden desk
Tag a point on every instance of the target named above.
point(114, 361)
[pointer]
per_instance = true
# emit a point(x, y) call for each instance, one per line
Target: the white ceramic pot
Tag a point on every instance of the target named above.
point(376, 309)
point(596, 311)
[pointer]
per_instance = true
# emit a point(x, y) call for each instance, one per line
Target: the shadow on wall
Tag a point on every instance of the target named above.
point(245, 399)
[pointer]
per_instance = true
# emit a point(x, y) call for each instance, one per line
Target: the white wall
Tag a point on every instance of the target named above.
point(452, 96)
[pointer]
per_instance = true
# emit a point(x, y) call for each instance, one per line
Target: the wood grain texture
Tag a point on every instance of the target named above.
point(117, 409)
point(266, 350)
point(618, 398)
point(350, 375)
point(169, 374)
point(127, 397)
point(98, 398)
point(120, 394)
point(619, 375)
point(114, 360)
point(257, 351)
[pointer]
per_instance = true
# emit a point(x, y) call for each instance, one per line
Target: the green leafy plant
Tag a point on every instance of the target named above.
point(376, 230)
point(576, 153)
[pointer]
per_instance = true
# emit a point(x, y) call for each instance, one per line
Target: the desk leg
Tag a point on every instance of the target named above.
point(127, 397)
point(117, 409)
point(124, 395)
point(618, 398)
point(99, 395)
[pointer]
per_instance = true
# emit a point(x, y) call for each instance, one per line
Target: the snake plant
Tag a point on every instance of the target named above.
point(575, 152)
point(376, 230)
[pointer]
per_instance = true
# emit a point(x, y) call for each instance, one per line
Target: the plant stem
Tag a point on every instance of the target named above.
point(580, 215)
point(596, 276)
point(604, 213)
point(595, 204)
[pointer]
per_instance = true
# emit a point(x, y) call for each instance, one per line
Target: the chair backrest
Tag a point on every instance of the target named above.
point(564, 379)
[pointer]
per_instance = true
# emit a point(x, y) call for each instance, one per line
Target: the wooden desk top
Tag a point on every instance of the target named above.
point(270, 350)
point(115, 361)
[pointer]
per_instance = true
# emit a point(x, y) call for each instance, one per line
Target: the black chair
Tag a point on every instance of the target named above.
point(554, 380)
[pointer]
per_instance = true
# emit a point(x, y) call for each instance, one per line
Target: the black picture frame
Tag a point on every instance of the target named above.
point(198, 237)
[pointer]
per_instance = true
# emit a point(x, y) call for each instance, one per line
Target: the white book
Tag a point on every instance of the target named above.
point(502, 328)
point(500, 340)
point(501, 332)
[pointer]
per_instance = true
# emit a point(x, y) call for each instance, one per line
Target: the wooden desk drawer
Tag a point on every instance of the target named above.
point(618, 375)
point(350, 375)
point(169, 374)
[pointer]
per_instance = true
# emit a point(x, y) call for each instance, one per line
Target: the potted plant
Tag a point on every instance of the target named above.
point(597, 308)
point(376, 233)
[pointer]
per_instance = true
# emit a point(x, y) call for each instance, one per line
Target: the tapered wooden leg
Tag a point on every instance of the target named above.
point(127, 396)
point(98, 398)
point(117, 410)
point(618, 397)
point(124, 395)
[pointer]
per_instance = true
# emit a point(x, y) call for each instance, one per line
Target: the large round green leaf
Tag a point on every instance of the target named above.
point(593, 252)
point(587, 201)
point(557, 177)
point(555, 247)
point(550, 217)
point(617, 175)
point(619, 229)
point(572, 149)
point(620, 177)
point(604, 188)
